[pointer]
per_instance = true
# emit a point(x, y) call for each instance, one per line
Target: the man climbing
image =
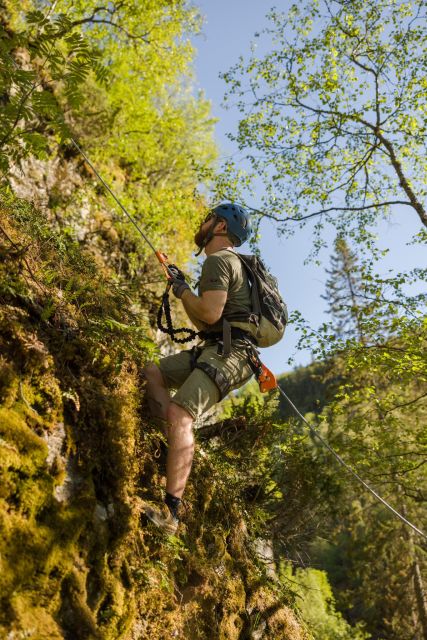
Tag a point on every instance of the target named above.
point(203, 375)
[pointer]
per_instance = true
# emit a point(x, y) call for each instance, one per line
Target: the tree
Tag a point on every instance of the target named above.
point(37, 54)
point(317, 605)
point(376, 422)
point(344, 292)
point(334, 115)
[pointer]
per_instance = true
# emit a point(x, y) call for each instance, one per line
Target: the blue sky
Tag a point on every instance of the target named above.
point(227, 32)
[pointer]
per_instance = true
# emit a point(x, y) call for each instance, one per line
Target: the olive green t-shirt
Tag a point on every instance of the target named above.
point(224, 271)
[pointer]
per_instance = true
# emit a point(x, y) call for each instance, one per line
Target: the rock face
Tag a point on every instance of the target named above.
point(77, 452)
point(41, 181)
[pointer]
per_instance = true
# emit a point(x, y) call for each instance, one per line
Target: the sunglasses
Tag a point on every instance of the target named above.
point(210, 216)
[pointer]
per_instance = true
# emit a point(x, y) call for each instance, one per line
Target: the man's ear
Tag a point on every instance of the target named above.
point(220, 227)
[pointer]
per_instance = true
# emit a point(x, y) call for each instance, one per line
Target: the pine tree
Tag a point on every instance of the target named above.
point(344, 293)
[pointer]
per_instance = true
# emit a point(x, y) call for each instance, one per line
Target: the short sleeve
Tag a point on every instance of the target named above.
point(216, 274)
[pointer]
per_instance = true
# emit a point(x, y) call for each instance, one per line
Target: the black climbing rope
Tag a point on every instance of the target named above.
point(169, 328)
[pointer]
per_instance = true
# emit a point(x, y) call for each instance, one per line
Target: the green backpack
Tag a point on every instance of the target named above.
point(269, 311)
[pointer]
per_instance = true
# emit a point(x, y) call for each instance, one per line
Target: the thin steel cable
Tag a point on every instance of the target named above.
point(125, 211)
point(354, 473)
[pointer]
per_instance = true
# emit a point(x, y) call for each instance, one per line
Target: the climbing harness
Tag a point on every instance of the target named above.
point(266, 379)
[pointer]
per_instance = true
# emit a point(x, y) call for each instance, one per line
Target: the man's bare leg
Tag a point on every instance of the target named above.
point(180, 449)
point(179, 459)
point(158, 396)
point(177, 424)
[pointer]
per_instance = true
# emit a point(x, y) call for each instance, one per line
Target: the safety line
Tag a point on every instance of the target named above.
point(349, 469)
point(101, 179)
point(131, 218)
point(161, 257)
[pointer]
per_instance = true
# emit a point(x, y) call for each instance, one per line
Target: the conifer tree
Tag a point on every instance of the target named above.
point(344, 292)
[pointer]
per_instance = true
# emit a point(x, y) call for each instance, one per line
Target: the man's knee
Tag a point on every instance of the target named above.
point(178, 416)
point(153, 374)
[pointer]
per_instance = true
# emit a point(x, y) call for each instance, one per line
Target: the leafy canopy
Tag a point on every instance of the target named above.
point(334, 114)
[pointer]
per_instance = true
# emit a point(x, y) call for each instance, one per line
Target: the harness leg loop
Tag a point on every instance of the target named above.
point(216, 376)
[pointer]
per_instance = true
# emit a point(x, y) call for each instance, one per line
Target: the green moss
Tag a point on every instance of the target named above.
point(79, 561)
point(29, 447)
point(33, 619)
point(9, 383)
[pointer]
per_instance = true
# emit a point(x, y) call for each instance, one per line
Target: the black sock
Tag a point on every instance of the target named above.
point(173, 503)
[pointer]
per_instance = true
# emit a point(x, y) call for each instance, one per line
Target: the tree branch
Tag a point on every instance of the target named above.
point(328, 210)
point(415, 203)
point(117, 26)
point(397, 166)
point(406, 404)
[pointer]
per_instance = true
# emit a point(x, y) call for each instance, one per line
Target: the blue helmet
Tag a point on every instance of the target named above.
point(238, 221)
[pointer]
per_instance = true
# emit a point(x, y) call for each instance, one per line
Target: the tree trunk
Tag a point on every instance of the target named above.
point(402, 178)
point(421, 598)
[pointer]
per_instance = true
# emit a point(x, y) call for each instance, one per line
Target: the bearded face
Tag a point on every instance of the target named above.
point(200, 236)
point(205, 227)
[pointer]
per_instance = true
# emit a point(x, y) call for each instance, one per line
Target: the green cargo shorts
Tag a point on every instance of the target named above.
point(196, 391)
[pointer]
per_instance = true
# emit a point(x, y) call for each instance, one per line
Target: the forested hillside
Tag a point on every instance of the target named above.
point(276, 540)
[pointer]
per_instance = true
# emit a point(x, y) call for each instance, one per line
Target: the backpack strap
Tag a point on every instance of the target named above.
point(226, 338)
point(253, 317)
point(255, 303)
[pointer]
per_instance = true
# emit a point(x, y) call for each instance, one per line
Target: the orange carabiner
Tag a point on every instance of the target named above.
point(163, 259)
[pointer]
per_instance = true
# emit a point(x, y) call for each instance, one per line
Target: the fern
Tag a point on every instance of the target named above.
point(34, 101)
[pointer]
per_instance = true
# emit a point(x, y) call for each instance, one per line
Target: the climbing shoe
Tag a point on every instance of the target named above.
point(161, 516)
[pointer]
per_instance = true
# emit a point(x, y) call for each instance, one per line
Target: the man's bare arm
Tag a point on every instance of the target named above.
point(206, 308)
point(201, 326)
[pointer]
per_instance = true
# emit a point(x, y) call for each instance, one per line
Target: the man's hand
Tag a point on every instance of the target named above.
point(179, 285)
